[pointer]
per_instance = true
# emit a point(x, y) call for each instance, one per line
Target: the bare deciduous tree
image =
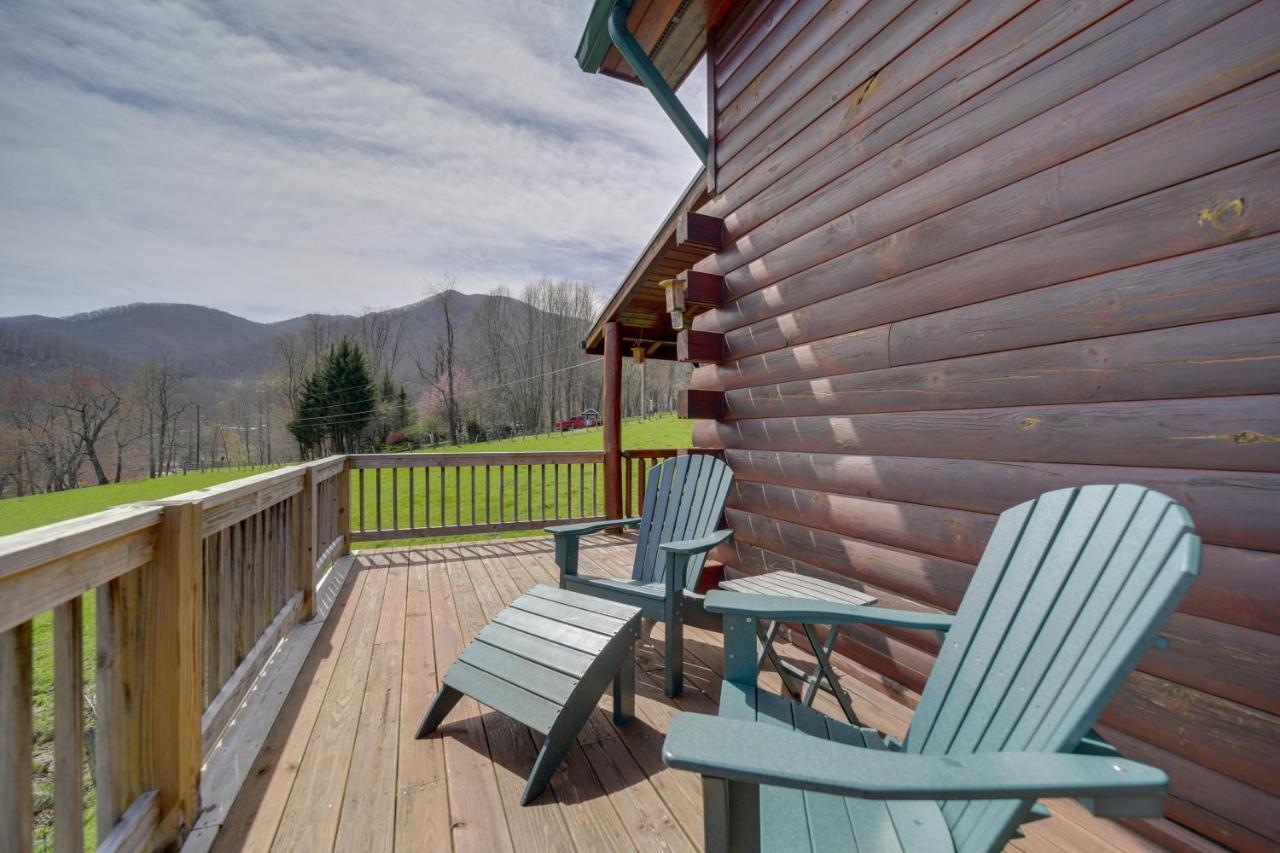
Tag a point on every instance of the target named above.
point(439, 367)
point(91, 403)
point(160, 387)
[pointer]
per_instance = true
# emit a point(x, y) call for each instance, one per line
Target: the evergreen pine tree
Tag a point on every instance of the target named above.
point(351, 396)
point(336, 403)
point(307, 426)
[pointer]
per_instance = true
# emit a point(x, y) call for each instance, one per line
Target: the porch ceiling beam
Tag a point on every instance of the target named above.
point(700, 347)
point(702, 289)
point(699, 233)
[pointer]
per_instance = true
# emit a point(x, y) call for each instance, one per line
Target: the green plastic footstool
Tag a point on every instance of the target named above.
point(546, 661)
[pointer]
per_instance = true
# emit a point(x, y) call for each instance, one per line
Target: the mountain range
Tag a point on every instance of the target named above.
point(206, 342)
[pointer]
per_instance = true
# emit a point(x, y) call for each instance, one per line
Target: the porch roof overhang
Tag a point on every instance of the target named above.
point(671, 32)
point(639, 303)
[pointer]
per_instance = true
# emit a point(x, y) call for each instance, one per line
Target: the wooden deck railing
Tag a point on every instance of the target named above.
point(191, 595)
point(636, 465)
point(412, 495)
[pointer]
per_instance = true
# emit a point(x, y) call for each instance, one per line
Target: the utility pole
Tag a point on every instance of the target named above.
point(644, 400)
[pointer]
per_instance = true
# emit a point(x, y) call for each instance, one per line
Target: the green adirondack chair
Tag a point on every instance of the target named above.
point(683, 500)
point(1072, 589)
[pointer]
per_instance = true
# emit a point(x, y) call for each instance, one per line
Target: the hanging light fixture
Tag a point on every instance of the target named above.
point(637, 354)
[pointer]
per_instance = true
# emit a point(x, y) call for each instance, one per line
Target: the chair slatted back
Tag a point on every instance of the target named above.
point(683, 499)
point(1072, 588)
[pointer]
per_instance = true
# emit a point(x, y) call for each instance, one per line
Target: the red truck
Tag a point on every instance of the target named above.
point(589, 418)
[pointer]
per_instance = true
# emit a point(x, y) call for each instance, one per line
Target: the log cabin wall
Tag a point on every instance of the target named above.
point(977, 251)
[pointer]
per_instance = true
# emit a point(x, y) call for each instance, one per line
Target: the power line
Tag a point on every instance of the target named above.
point(353, 416)
point(540, 353)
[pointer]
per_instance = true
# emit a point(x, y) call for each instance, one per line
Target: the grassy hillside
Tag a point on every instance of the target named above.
point(660, 431)
point(22, 513)
point(18, 514)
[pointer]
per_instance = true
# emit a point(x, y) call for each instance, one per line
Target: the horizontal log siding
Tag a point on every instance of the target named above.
point(978, 251)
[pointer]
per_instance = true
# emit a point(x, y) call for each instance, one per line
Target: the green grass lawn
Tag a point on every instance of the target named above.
point(659, 431)
point(536, 499)
point(476, 495)
point(18, 514)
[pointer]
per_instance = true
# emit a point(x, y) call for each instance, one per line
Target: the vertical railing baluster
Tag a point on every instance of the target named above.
point(15, 738)
point(529, 490)
point(363, 512)
point(644, 474)
point(626, 484)
point(472, 469)
point(488, 496)
point(555, 467)
point(395, 498)
point(457, 495)
point(377, 498)
point(410, 473)
point(68, 726)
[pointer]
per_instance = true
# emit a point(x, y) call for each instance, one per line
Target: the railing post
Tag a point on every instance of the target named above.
point(308, 552)
point(151, 679)
point(182, 586)
point(612, 413)
point(344, 506)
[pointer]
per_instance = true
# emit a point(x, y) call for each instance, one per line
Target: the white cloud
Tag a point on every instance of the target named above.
point(273, 159)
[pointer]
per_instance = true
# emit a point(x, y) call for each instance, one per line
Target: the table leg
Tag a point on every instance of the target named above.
point(814, 681)
point(789, 680)
point(822, 651)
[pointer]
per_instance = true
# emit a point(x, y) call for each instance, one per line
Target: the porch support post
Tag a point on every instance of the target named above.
point(612, 414)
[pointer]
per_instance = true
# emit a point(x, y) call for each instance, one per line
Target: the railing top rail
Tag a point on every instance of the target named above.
point(39, 545)
point(437, 460)
point(650, 453)
point(214, 496)
point(328, 467)
point(29, 548)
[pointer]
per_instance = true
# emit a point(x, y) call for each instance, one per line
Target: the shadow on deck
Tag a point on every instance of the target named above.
point(339, 767)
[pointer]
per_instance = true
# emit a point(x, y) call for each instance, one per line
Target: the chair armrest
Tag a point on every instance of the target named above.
point(815, 612)
point(689, 547)
point(566, 541)
point(675, 561)
point(591, 527)
point(717, 747)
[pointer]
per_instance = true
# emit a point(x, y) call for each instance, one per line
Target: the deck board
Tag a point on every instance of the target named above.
point(341, 768)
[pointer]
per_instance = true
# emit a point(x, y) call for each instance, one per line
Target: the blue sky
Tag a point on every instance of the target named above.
point(275, 157)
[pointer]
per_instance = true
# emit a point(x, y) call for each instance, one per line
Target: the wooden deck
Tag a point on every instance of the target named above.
point(340, 770)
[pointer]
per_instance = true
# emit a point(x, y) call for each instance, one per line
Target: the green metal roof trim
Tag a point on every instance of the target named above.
point(595, 41)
